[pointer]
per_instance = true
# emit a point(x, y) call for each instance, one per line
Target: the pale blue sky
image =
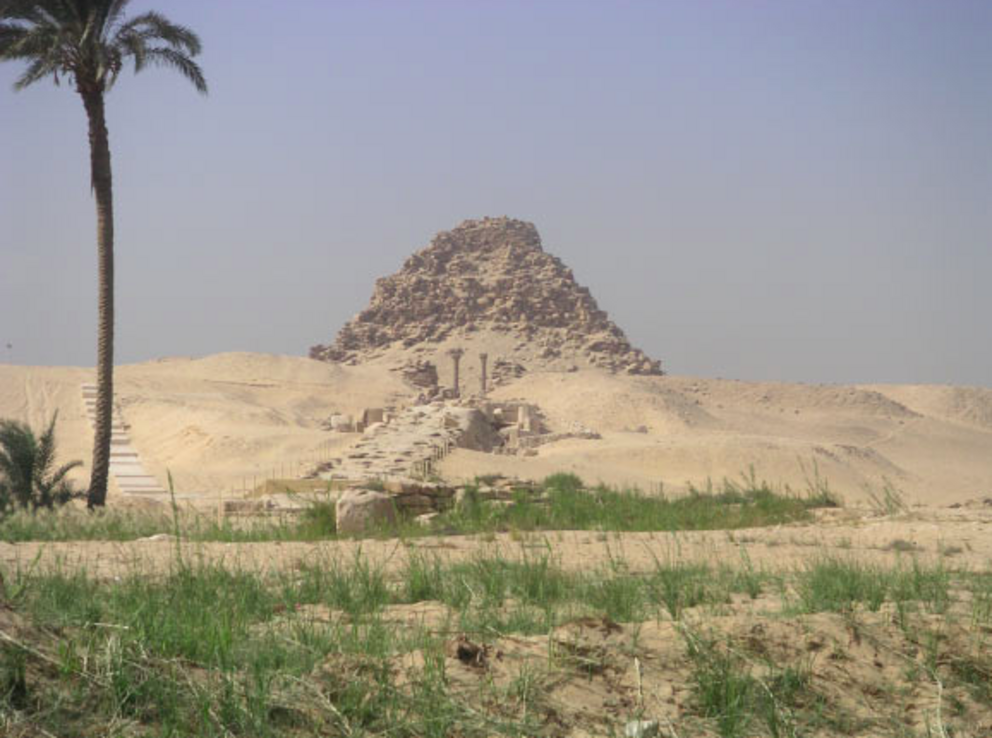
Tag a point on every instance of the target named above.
point(793, 190)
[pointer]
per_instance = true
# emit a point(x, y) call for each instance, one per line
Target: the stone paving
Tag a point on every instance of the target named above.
point(411, 441)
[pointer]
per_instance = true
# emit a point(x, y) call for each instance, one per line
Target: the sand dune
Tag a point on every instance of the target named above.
point(221, 421)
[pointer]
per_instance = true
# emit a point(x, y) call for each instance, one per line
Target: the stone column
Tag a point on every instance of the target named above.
point(524, 422)
point(456, 357)
point(482, 381)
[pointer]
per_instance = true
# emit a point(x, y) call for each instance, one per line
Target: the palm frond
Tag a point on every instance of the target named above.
point(59, 474)
point(36, 71)
point(18, 450)
point(45, 447)
point(18, 42)
point(26, 476)
point(181, 63)
point(115, 13)
point(10, 35)
point(156, 27)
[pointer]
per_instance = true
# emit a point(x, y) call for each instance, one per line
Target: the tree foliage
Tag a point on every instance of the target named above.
point(91, 41)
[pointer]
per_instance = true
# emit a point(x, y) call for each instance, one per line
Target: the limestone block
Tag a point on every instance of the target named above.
point(341, 423)
point(426, 518)
point(373, 415)
point(358, 510)
point(415, 501)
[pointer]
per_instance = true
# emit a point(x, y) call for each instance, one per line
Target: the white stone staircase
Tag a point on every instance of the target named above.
point(125, 465)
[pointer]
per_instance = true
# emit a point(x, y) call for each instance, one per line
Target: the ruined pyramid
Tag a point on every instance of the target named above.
point(488, 281)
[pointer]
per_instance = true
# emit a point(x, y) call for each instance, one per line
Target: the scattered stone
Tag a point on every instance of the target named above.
point(642, 729)
point(247, 507)
point(420, 373)
point(339, 423)
point(426, 518)
point(157, 537)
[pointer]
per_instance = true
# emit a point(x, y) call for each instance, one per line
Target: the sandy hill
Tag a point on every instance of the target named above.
point(214, 422)
point(922, 440)
point(486, 286)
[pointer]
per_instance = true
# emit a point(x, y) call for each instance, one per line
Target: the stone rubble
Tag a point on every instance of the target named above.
point(360, 508)
point(420, 373)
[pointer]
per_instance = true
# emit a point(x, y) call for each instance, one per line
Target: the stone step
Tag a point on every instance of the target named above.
point(125, 465)
point(133, 473)
point(138, 483)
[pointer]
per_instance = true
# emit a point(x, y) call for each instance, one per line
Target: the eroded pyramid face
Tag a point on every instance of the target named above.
point(488, 277)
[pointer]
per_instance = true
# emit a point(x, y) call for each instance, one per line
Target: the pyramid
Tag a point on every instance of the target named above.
point(488, 279)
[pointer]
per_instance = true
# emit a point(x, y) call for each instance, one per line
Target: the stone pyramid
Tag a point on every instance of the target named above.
point(488, 277)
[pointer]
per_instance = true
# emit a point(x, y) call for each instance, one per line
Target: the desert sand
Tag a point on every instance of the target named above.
point(222, 423)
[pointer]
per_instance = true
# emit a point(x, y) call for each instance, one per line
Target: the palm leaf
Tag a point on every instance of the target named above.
point(181, 63)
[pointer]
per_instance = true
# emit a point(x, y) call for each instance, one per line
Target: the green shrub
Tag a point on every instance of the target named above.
point(28, 477)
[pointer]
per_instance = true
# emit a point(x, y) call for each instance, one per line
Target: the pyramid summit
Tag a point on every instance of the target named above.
point(488, 280)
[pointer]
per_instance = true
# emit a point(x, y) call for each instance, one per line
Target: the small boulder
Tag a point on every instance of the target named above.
point(340, 423)
point(359, 510)
point(642, 729)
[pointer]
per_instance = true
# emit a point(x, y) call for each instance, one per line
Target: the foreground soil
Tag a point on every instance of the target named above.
point(713, 633)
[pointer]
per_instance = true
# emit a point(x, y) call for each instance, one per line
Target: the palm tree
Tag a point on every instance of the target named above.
point(26, 475)
point(88, 42)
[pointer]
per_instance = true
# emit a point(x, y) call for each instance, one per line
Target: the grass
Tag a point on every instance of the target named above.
point(568, 505)
point(332, 647)
point(210, 650)
point(837, 585)
point(563, 503)
point(315, 522)
point(724, 688)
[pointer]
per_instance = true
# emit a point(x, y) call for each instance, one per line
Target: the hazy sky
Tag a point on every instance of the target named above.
point(793, 190)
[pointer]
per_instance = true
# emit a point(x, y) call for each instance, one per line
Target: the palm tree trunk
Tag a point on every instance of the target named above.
point(103, 190)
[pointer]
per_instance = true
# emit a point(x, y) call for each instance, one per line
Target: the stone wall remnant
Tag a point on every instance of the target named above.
point(373, 415)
